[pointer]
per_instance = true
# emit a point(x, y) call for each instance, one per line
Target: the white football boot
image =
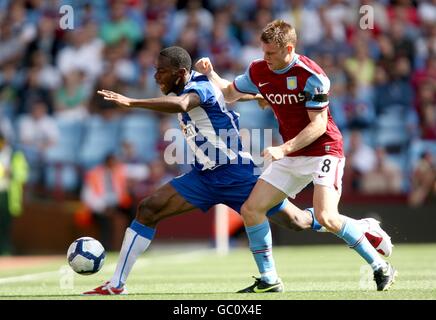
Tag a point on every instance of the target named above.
point(378, 238)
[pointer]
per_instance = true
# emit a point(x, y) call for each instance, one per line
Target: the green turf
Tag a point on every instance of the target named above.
point(308, 272)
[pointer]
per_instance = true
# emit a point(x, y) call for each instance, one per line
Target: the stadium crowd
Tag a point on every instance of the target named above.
point(383, 83)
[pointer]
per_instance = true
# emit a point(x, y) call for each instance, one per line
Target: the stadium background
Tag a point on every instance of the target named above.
point(383, 98)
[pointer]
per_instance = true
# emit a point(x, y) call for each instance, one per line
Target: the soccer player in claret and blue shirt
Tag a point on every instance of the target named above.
point(221, 173)
point(297, 90)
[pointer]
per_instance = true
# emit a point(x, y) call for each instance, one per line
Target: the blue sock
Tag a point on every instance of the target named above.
point(260, 240)
point(352, 234)
point(315, 224)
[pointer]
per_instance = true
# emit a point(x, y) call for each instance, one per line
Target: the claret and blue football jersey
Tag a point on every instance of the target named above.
point(290, 92)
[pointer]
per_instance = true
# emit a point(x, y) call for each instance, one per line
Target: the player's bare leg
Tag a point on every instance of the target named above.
point(256, 206)
point(293, 218)
point(325, 202)
point(164, 203)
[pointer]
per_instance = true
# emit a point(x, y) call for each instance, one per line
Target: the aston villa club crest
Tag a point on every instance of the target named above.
point(291, 83)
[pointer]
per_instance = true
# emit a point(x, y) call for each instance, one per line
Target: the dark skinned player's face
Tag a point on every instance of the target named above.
point(166, 76)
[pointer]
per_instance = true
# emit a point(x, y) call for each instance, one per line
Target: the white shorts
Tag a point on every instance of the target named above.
point(292, 174)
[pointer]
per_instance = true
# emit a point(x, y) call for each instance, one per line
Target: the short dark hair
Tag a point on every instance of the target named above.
point(179, 57)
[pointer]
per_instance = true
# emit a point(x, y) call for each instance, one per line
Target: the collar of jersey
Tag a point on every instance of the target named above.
point(286, 69)
point(189, 81)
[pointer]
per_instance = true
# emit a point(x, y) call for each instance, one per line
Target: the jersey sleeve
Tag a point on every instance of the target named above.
point(244, 84)
point(317, 89)
point(203, 90)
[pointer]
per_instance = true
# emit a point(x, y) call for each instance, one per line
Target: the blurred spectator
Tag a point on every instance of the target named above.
point(404, 11)
point(37, 132)
point(250, 51)
point(97, 104)
point(224, 49)
point(71, 97)
point(338, 83)
point(360, 67)
point(144, 85)
point(48, 75)
point(120, 26)
point(105, 194)
point(16, 33)
point(427, 74)
point(396, 90)
point(31, 91)
point(136, 171)
point(386, 56)
point(361, 159)
point(194, 13)
point(403, 43)
point(83, 52)
point(425, 45)
point(122, 62)
point(6, 129)
point(426, 104)
point(385, 178)
point(329, 45)
point(13, 174)
point(191, 39)
point(359, 110)
point(128, 154)
point(423, 180)
point(159, 175)
point(47, 41)
point(335, 16)
point(306, 22)
point(427, 11)
point(9, 80)
point(428, 127)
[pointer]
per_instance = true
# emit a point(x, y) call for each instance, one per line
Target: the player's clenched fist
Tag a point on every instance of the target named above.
point(204, 66)
point(273, 153)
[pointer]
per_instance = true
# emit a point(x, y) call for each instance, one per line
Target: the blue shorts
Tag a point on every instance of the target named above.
point(228, 184)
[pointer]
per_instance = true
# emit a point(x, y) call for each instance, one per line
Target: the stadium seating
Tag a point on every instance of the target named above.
point(141, 129)
point(62, 169)
point(100, 139)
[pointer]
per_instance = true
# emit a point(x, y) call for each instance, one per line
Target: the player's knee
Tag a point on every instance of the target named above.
point(147, 212)
point(248, 211)
point(330, 222)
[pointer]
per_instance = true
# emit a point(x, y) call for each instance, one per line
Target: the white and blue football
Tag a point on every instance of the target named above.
point(86, 255)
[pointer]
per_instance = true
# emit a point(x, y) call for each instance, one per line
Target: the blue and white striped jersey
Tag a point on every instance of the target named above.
point(211, 130)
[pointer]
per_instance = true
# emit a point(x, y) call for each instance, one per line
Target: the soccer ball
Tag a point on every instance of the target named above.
point(86, 255)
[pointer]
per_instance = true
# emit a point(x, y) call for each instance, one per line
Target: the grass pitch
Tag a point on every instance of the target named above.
point(308, 272)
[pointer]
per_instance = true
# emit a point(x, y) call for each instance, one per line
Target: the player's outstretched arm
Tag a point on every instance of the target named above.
point(167, 104)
